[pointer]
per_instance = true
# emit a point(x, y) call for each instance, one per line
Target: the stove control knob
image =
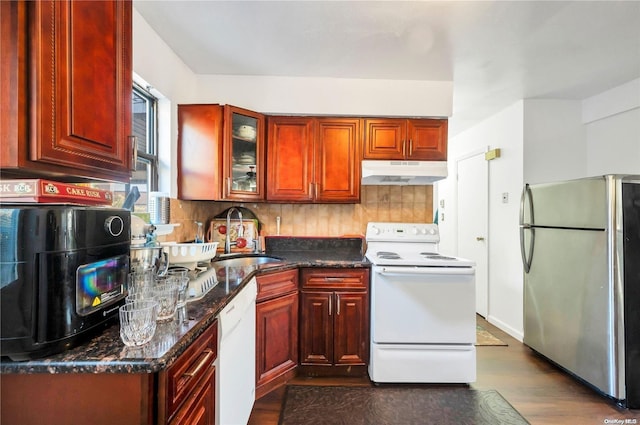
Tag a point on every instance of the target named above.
point(415, 230)
point(114, 225)
point(375, 230)
point(431, 231)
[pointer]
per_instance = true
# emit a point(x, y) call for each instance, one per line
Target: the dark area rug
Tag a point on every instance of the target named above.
point(391, 405)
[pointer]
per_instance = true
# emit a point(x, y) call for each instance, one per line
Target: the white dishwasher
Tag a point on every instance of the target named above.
point(235, 376)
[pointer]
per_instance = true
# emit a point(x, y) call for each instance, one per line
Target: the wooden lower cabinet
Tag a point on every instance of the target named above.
point(184, 393)
point(200, 408)
point(334, 321)
point(276, 330)
point(186, 389)
point(77, 398)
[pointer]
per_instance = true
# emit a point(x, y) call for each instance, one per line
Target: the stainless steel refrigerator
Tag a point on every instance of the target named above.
point(580, 244)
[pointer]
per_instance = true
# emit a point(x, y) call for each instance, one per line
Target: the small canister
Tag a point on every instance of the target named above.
point(159, 203)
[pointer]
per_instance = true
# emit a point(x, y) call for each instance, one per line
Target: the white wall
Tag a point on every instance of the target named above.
point(612, 123)
point(156, 65)
point(540, 140)
point(554, 135)
point(505, 131)
point(328, 96)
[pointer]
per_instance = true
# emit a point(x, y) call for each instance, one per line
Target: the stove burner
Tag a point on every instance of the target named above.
point(387, 255)
point(435, 256)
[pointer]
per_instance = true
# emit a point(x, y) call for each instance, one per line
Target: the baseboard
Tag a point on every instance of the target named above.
point(517, 334)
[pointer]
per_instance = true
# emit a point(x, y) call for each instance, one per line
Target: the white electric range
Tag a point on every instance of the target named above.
point(423, 319)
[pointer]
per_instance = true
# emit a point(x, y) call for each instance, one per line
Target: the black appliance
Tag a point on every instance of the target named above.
point(63, 271)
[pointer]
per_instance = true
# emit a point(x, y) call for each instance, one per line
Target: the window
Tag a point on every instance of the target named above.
point(144, 128)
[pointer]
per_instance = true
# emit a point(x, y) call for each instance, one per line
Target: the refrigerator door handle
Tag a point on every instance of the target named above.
point(526, 259)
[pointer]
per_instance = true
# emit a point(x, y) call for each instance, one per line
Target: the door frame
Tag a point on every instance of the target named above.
point(459, 159)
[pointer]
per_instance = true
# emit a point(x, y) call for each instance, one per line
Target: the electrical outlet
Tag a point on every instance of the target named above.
point(505, 197)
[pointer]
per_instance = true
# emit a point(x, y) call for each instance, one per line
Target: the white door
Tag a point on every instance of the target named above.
point(473, 221)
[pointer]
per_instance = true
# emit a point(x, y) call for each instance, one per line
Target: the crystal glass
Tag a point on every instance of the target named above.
point(138, 322)
point(182, 276)
point(140, 280)
point(166, 295)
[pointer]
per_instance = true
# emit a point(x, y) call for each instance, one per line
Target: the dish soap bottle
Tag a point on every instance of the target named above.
point(199, 233)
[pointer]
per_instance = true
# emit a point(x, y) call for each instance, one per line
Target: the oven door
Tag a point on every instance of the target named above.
point(423, 305)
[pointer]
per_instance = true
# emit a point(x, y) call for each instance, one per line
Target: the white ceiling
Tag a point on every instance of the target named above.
point(495, 52)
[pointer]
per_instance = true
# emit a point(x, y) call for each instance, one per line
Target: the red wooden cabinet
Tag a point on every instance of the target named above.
point(68, 106)
point(186, 389)
point(313, 159)
point(334, 321)
point(183, 393)
point(406, 139)
point(214, 161)
point(200, 152)
point(276, 330)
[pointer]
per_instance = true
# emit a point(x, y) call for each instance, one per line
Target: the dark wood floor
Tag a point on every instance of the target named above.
point(541, 393)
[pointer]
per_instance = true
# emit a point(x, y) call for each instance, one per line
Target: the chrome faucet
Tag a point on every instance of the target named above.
point(227, 240)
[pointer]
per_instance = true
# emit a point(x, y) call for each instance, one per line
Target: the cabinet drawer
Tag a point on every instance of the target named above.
point(199, 409)
point(335, 278)
point(181, 378)
point(276, 284)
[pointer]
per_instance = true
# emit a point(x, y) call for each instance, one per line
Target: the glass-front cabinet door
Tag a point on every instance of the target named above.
point(243, 154)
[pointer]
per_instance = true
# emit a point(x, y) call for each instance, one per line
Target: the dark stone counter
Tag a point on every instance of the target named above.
point(106, 353)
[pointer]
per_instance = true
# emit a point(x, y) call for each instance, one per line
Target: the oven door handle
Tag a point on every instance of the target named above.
point(408, 271)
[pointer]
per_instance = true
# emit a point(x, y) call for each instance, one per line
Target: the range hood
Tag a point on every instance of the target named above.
point(377, 172)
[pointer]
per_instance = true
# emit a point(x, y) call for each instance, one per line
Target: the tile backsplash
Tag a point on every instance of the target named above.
point(378, 203)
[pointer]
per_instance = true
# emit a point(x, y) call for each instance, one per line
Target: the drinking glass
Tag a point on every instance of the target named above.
point(140, 280)
point(166, 295)
point(138, 322)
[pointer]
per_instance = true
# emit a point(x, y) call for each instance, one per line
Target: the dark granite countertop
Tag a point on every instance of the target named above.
point(105, 353)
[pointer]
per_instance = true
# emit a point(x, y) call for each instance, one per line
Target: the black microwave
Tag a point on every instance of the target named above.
point(63, 273)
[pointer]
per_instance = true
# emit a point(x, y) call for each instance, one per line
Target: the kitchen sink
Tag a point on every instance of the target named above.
point(252, 260)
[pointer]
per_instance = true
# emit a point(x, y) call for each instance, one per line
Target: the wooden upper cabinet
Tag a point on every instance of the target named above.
point(337, 160)
point(243, 155)
point(199, 152)
point(313, 159)
point(221, 152)
point(406, 139)
point(290, 159)
point(76, 90)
